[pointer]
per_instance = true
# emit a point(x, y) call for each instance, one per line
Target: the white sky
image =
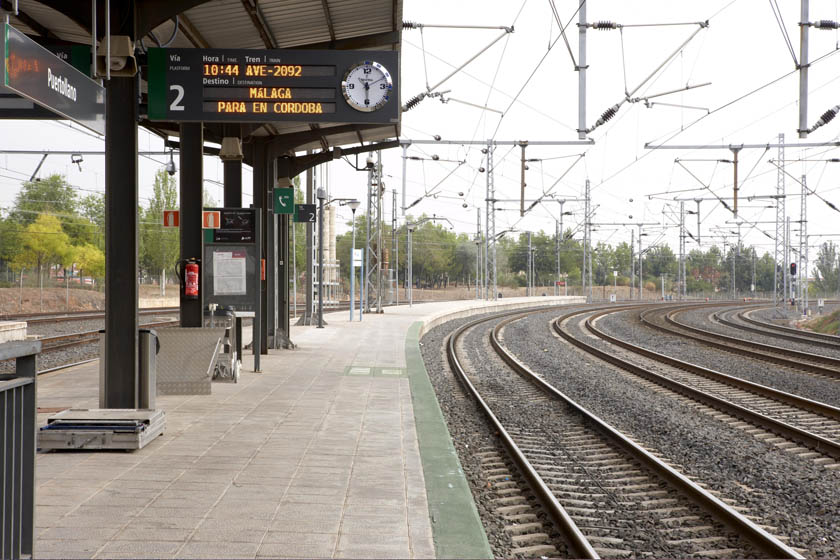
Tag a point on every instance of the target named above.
point(742, 50)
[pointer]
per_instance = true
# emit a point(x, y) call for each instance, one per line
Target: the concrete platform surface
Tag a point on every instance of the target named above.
point(337, 449)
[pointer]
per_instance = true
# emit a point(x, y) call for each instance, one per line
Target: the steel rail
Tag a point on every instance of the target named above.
point(86, 337)
point(807, 361)
point(812, 441)
point(752, 532)
point(732, 348)
point(580, 546)
point(78, 315)
point(721, 317)
point(815, 336)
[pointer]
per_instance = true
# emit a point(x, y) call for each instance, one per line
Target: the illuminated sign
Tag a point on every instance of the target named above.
point(239, 85)
point(35, 73)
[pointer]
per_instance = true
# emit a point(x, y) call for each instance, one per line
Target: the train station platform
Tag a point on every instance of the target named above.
point(337, 449)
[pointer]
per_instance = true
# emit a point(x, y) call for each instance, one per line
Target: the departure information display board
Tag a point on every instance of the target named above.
point(241, 85)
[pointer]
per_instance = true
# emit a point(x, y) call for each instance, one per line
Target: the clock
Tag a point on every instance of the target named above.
point(367, 86)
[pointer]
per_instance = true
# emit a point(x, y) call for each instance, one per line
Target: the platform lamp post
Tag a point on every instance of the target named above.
point(321, 195)
point(353, 204)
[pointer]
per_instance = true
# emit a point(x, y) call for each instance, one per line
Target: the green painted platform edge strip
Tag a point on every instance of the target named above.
point(456, 527)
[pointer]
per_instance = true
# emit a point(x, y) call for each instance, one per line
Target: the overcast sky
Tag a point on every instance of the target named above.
point(741, 51)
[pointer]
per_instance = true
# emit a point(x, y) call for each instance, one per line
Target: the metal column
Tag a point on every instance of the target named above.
point(260, 179)
point(581, 69)
point(121, 287)
point(233, 183)
point(804, 28)
point(190, 184)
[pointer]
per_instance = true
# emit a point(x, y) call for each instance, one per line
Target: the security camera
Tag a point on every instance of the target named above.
point(121, 61)
point(369, 162)
point(170, 168)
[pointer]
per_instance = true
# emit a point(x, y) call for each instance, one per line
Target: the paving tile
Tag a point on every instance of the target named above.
point(220, 533)
point(78, 533)
point(374, 524)
point(57, 545)
point(218, 550)
point(372, 551)
point(296, 550)
point(135, 533)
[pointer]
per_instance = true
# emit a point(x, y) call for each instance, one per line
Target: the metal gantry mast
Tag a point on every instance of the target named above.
point(682, 281)
point(587, 240)
point(394, 263)
point(802, 270)
point(490, 229)
point(780, 277)
point(478, 283)
point(373, 256)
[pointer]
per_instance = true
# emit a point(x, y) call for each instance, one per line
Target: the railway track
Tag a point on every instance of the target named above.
point(606, 494)
point(664, 319)
point(33, 318)
point(63, 341)
point(802, 426)
point(750, 324)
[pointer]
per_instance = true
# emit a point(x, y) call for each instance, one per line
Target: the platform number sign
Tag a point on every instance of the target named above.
point(284, 200)
point(305, 213)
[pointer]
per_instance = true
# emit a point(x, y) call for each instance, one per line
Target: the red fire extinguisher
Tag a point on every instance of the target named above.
point(189, 277)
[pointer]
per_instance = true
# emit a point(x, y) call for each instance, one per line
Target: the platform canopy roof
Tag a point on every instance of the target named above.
point(246, 24)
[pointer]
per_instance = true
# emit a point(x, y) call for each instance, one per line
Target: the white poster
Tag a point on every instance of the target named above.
point(229, 276)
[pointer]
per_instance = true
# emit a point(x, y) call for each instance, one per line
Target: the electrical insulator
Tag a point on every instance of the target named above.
point(602, 25)
point(435, 157)
point(825, 118)
point(481, 170)
point(411, 103)
point(411, 25)
point(608, 114)
point(826, 24)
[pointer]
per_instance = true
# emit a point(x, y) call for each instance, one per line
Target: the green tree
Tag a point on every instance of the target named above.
point(92, 208)
point(91, 261)
point(160, 246)
point(826, 268)
point(43, 243)
point(52, 195)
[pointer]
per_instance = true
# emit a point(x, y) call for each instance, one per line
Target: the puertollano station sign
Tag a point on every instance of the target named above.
point(241, 85)
point(35, 73)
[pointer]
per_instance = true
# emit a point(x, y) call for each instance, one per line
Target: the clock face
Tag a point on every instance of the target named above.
point(367, 86)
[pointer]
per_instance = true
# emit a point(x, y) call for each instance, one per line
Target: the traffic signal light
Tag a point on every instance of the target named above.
point(793, 269)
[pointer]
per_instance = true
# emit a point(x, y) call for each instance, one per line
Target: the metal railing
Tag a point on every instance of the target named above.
point(18, 415)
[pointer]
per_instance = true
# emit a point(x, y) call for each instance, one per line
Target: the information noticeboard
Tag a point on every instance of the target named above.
point(248, 85)
point(230, 263)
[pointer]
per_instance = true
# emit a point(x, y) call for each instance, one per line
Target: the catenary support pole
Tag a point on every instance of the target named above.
point(804, 29)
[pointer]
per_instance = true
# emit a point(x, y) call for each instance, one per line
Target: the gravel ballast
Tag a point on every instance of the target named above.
point(792, 494)
point(626, 326)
